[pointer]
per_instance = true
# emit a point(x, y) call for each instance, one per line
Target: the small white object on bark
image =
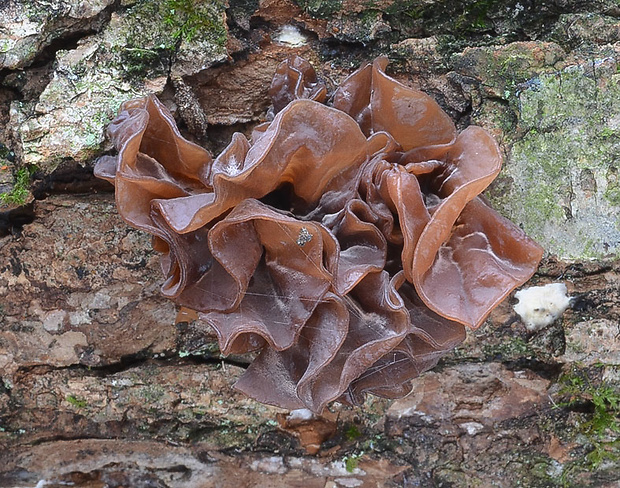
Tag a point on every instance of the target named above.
point(540, 306)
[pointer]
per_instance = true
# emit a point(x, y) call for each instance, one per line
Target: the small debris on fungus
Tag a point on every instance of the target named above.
point(540, 306)
point(304, 237)
point(344, 244)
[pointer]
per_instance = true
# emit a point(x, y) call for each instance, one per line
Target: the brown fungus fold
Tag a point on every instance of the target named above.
point(345, 244)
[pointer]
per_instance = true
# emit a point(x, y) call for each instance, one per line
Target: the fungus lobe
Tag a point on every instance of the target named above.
point(345, 243)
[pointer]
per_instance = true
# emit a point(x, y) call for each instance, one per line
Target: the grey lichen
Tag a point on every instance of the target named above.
point(562, 173)
point(136, 53)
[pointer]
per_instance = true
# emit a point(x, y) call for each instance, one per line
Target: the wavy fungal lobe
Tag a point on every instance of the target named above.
point(345, 243)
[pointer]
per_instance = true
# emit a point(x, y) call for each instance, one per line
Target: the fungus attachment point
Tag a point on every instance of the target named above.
point(345, 243)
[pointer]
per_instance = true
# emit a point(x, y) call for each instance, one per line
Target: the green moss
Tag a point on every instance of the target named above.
point(416, 13)
point(77, 402)
point(607, 132)
point(320, 8)
point(578, 387)
point(514, 348)
point(155, 30)
point(602, 429)
point(351, 432)
point(351, 462)
point(192, 20)
point(137, 61)
point(145, 46)
point(20, 191)
point(475, 17)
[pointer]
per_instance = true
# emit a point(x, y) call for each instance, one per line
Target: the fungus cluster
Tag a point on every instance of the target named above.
point(345, 243)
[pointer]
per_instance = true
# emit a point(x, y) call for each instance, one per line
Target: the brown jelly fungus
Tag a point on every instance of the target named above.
point(345, 243)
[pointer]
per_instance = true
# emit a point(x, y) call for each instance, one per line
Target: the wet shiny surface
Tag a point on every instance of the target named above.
point(398, 254)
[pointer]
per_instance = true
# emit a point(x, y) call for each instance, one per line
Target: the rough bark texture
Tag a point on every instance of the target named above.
point(105, 383)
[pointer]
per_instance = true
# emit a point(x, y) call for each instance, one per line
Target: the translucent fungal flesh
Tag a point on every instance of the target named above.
point(345, 242)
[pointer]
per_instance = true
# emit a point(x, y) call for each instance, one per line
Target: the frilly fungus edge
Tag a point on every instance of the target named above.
point(345, 242)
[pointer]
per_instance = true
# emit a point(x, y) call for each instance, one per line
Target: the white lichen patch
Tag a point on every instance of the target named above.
point(472, 428)
point(28, 27)
point(290, 35)
point(348, 482)
point(271, 465)
point(540, 306)
point(130, 57)
point(593, 342)
point(72, 111)
point(54, 320)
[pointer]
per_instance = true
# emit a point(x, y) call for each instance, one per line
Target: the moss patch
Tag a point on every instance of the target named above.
point(320, 8)
point(77, 402)
point(191, 20)
point(152, 32)
point(20, 191)
point(599, 424)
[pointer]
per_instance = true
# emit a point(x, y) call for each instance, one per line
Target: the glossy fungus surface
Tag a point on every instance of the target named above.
point(345, 244)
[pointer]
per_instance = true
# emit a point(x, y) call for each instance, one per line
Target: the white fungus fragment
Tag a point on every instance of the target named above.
point(540, 306)
point(291, 36)
point(300, 414)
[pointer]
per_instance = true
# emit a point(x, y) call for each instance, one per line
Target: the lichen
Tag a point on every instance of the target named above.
point(612, 193)
point(562, 184)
